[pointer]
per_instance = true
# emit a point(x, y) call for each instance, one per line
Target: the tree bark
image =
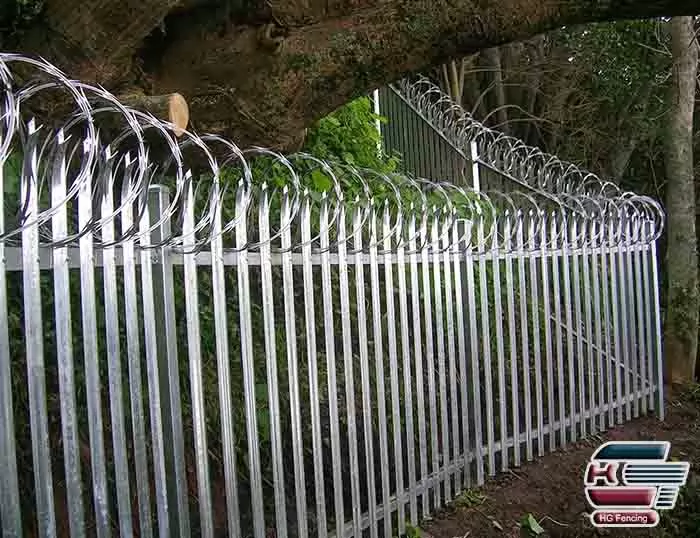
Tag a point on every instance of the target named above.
point(629, 136)
point(621, 156)
point(453, 79)
point(471, 91)
point(496, 94)
point(97, 39)
point(513, 68)
point(681, 330)
point(261, 71)
point(534, 79)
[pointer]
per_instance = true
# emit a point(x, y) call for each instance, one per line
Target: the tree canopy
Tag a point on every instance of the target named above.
point(261, 71)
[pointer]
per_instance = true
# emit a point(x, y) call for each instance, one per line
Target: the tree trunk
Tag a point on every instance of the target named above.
point(534, 81)
point(620, 158)
point(495, 93)
point(514, 68)
point(681, 330)
point(471, 92)
point(454, 75)
point(262, 73)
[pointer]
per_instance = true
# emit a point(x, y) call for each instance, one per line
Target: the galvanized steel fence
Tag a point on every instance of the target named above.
point(201, 340)
point(437, 138)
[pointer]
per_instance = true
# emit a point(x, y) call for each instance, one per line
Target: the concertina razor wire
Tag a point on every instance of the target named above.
point(504, 154)
point(565, 208)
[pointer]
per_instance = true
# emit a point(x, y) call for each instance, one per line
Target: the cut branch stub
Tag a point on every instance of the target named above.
point(170, 107)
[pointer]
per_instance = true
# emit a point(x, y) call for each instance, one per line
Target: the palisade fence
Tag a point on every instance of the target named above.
point(201, 340)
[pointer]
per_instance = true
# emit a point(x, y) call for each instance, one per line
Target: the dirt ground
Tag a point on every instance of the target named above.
point(551, 488)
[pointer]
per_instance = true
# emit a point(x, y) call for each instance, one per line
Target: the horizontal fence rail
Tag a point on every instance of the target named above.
point(198, 339)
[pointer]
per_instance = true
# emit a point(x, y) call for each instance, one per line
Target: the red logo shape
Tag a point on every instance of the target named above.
point(621, 496)
point(626, 518)
point(607, 473)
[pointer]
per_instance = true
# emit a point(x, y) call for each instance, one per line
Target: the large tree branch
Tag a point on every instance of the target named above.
point(270, 96)
point(261, 71)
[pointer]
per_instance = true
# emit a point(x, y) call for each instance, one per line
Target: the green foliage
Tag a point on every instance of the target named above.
point(350, 135)
point(604, 92)
point(470, 498)
point(623, 57)
point(413, 532)
point(684, 519)
point(691, 394)
point(12, 169)
point(530, 526)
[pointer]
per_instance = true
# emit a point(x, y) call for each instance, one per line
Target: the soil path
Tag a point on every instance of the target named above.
point(551, 488)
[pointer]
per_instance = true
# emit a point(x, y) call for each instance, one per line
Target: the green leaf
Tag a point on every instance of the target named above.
point(413, 532)
point(321, 182)
point(261, 392)
point(530, 524)
point(264, 425)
